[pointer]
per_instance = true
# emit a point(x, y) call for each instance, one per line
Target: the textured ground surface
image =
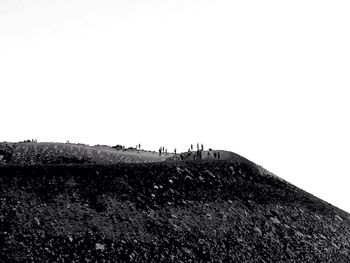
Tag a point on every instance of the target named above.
point(63, 153)
point(190, 211)
point(59, 153)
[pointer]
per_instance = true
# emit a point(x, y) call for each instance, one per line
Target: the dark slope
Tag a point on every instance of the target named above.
point(220, 211)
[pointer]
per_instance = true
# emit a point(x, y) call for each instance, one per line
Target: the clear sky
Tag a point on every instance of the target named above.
point(266, 79)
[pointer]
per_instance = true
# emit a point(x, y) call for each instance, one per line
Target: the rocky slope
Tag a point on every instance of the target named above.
point(190, 211)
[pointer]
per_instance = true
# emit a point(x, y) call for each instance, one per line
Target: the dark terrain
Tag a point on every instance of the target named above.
point(174, 211)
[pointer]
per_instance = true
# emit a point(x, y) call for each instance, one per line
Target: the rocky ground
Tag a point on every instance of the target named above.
point(189, 211)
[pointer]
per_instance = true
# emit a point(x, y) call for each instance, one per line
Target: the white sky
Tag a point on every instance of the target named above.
point(266, 79)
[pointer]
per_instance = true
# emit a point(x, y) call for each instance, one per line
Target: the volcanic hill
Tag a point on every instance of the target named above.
point(76, 203)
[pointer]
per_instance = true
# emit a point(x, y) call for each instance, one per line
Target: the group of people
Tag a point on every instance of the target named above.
point(198, 149)
point(216, 155)
point(163, 150)
point(198, 154)
point(191, 154)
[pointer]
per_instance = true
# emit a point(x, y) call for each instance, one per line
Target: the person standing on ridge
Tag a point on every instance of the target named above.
point(202, 147)
point(191, 147)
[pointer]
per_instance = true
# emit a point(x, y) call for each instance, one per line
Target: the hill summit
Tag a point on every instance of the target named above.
point(158, 210)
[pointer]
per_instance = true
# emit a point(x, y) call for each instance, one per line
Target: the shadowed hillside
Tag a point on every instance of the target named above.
point(189, 211)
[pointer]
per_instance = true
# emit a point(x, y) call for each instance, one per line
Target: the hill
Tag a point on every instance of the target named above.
point(59, 153)
point(67, 153)
point(172, 211)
